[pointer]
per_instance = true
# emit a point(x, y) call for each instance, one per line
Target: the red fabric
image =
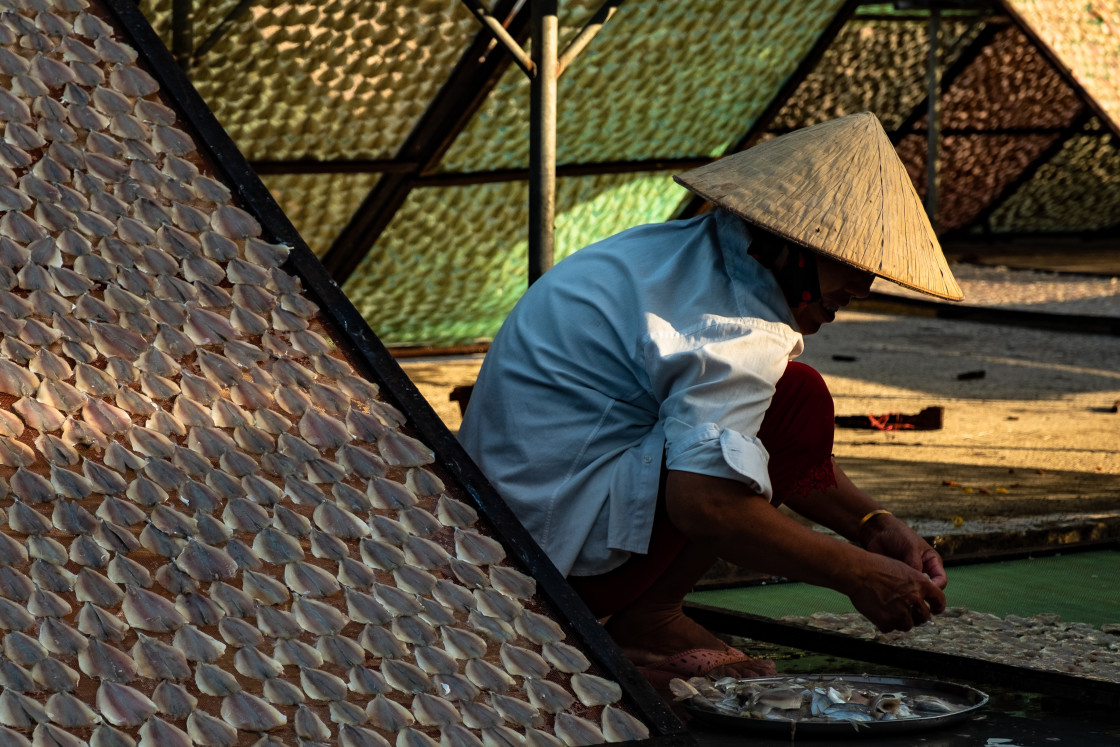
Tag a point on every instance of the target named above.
point(797, 432)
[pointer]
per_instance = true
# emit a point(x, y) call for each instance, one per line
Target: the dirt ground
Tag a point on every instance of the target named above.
point(1030, 428)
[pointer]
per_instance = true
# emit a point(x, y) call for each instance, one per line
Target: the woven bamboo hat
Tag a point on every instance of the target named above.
point(838, 188)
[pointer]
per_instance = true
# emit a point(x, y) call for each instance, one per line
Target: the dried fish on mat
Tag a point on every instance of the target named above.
point(213, 531)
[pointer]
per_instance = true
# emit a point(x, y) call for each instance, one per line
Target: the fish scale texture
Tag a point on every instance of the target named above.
point(213, 529)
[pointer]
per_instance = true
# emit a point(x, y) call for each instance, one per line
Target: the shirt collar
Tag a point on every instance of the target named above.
point(753, 283)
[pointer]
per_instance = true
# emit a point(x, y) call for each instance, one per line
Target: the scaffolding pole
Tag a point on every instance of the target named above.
point(933, 132)
point(542, 137)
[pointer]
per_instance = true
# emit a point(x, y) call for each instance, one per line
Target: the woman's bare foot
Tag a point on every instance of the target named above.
point(649, 635)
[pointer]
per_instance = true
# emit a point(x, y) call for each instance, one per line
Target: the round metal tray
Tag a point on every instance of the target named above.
point(970, 700)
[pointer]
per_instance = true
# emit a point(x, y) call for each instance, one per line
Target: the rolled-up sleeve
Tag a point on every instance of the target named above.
point(715, 383)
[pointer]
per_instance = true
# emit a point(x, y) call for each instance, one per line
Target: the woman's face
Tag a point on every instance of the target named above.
point(840, 283)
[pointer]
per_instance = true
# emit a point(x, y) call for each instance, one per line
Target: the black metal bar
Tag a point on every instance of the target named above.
point(542, 138)
point(476, 73)
point(936, 664)
point(1032, 168)
point(338, 166)
point(182, 31)
point(566, 170)
point(373, 360)
point(692, 204)
point(1061, 68)
point(222, 28)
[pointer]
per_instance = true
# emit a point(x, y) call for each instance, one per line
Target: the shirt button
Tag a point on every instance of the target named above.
point(647, 459)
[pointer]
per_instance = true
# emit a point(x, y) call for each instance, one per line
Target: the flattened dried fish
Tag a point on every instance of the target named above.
point(548, 696)
point(122, 705)
point(245, 711)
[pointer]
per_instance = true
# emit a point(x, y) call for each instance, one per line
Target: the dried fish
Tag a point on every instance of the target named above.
point(619, 726)
point(488, 677)
point(173, 700)
point(548, 696)
point(55, 676)
point(593, 690)
point(209, 442)
point(275, 546)
point(400, 450)
point(204, 729)
point(388, 494)
point(512, 709)
point(477, 549)
point(482, 716)
point(245, 711)
point(122, 705)
point(146, 610)
point(491, 627)
point(576, 731)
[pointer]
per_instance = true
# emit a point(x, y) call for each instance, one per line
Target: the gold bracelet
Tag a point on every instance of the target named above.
point(870, 514)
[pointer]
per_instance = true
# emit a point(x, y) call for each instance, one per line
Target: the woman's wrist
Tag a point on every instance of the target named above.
point(871, 523)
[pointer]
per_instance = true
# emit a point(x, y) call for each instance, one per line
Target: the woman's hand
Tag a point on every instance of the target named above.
point(887, 535)
point(892, 594)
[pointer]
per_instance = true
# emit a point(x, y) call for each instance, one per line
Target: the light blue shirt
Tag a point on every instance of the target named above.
point(664, 340)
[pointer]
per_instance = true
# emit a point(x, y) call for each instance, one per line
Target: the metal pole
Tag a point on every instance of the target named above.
point(933, 133)
point(542, 138)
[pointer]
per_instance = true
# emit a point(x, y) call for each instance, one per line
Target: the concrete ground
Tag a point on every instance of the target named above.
point(1030, 449)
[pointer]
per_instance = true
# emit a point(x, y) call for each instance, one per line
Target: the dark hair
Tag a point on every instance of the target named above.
point(797, 275)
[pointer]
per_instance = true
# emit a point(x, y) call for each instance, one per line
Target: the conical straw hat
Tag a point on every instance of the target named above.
point(838, 188)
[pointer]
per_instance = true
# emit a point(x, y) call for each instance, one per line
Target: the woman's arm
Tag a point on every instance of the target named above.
point(746, 530)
